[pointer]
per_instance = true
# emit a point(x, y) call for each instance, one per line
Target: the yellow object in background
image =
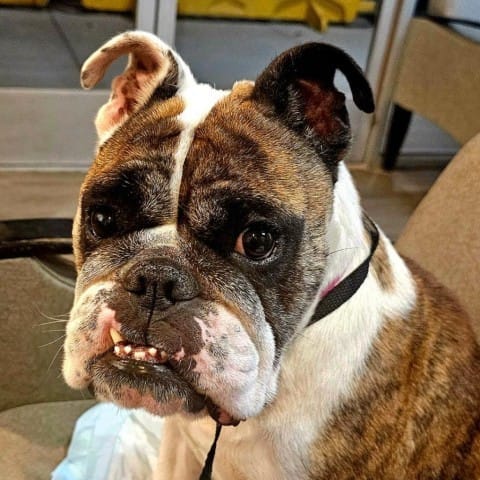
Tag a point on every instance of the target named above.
point(318, 13)
point(247, 9)
point(110, 5)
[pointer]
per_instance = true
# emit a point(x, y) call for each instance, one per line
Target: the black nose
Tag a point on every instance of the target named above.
point(160, 280)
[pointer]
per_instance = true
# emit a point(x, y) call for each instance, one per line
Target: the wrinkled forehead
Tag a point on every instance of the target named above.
point(159, 134)
point(200, 136)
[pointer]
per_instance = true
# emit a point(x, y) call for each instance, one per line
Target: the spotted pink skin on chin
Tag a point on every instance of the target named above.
point(224, 339)
point(228, 363)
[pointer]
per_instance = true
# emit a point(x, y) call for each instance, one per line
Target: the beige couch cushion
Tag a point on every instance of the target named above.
point(31, 292)
point(443, 234)
point(439, 78)
point(35, 438)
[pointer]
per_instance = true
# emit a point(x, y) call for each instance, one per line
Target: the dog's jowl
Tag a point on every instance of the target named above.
point(212, 228)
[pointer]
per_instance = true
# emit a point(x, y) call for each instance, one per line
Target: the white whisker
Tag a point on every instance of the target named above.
point(53, 359)
point(49, 323)
point(53, 341)
point(342, 250)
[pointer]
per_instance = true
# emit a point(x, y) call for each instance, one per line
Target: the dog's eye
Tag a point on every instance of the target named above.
point(102, 222)
point(256, 242)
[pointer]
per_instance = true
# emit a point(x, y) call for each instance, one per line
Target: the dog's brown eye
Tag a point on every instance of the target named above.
point(256, 242)
point(102, 222)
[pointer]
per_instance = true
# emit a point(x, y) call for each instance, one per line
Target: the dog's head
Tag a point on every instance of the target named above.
point(200, 232)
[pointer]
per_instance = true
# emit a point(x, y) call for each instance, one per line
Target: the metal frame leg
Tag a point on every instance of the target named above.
point(158, 17)
point(396, 135)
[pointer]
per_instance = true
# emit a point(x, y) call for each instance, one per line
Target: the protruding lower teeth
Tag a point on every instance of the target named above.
point(139, 355)
point(140, 352)
point(162, 356)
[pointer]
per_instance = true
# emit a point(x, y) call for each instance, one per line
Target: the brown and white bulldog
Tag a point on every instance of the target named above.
point(210, 226)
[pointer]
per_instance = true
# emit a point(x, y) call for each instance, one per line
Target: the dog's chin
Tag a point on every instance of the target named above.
point(140, 384)
point(154, 387)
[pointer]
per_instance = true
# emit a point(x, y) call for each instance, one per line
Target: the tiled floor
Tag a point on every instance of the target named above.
point(388, 198)
point(47, 46)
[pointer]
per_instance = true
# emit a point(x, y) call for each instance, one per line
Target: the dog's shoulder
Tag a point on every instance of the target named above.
point(415, 412)
point(438, 306)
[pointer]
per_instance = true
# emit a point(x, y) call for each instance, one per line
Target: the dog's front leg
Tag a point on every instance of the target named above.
point(181, 449)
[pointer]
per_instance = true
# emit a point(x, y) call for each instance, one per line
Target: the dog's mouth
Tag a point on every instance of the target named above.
point(152, 373)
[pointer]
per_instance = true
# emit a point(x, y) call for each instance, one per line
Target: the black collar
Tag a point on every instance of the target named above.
point(341, 293)
point(344, 290)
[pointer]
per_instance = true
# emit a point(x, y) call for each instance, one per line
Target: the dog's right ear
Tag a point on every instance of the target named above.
point(152, 68)
point(298, 87)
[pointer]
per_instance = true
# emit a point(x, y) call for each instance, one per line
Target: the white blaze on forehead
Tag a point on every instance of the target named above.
point(199, 99)
point(162, 235)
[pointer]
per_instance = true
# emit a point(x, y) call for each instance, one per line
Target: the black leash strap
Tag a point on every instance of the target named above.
point(207, 467)
point(349, 285)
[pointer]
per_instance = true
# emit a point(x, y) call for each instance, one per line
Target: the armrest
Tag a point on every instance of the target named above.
point(34, 237)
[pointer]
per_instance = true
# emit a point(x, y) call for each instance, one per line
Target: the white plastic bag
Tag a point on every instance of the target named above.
point(111, 443)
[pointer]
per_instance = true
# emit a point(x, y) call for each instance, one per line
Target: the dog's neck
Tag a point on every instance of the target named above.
point(346, 236)
point(347, 239)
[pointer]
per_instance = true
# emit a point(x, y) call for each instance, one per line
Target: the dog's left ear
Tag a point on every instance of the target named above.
point(152, 67)
point(298, 86)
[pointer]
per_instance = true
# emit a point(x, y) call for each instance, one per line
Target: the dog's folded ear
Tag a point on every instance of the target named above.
point(152, 68)
point(299, 88)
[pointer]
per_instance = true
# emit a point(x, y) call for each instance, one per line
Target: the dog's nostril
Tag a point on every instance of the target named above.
point(136, 284)
point(168, 290)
